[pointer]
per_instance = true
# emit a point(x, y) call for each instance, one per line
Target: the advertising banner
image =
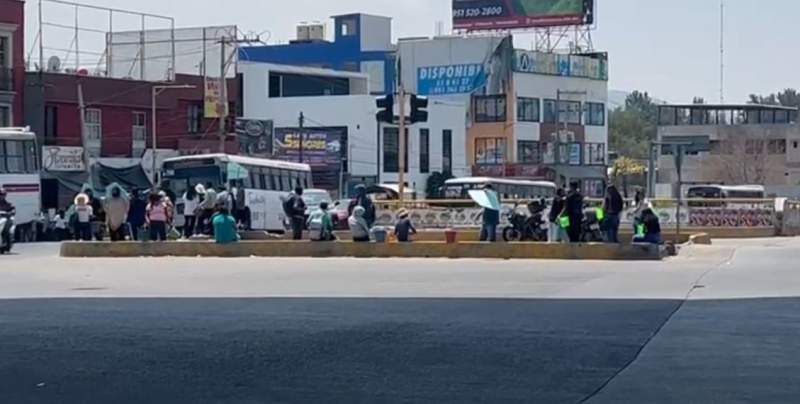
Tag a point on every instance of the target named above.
point(450, 79)
point(595, 68)
point(63, 159)
point(321, 148)
point(213, 94)
point(477, 15)
point(254, 136)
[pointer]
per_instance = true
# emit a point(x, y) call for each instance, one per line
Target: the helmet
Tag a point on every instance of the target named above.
point(3, 192)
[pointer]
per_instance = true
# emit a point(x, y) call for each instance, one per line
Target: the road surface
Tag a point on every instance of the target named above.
point(718, 324)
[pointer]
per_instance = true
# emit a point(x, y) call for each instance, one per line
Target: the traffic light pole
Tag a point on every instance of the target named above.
point(401, 161)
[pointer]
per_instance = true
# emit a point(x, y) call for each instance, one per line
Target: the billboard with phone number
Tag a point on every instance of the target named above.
point(477, 15)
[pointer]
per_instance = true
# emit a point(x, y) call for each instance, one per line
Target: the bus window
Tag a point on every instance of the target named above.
point(32, 163)
point(286, 181)
point(262, 181)
point(273, 182)
point(253, 180)
point(14, 156)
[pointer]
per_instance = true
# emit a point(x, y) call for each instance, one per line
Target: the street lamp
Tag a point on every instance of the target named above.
point(156, 91)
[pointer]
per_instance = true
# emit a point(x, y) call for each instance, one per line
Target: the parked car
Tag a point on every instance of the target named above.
point(339, 213)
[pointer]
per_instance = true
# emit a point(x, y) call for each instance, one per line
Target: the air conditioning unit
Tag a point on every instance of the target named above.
point(303, 32)
point(316, 31)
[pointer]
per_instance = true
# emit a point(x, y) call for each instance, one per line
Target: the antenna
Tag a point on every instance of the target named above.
point(722, 51)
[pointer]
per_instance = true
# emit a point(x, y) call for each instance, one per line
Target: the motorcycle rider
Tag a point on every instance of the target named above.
point(10, 210)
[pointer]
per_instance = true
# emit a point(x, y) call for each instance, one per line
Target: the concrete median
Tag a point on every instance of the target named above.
point(367, 250)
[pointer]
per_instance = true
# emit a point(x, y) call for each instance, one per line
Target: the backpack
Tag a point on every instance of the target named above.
point(288, 206)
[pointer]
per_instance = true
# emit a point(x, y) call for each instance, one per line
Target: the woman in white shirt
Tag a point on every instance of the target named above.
point(191, 203)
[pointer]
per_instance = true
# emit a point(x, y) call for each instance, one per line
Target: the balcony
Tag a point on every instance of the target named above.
point(6, 79)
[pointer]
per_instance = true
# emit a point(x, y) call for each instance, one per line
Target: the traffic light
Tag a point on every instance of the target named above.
point(385, 108)
point(419, 109)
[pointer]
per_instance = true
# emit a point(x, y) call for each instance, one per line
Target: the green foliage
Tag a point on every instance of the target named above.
point(434, 187)
point(787, 98)
point(630, 129)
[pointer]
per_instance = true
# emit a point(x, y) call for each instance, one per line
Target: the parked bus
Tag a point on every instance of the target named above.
point(264, 182)
point(458, 188)
point(19, 176)
point(723, 192)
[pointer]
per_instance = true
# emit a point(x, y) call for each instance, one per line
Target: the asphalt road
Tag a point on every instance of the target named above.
point(719, 324)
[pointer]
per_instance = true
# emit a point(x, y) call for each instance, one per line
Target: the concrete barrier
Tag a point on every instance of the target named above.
point(367, 250)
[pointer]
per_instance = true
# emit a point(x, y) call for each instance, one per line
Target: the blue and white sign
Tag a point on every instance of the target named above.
point(450, 79)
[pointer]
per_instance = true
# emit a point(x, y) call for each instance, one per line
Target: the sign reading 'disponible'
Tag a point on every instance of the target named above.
point(57, 158)
point(476, 15)
point(450, 79)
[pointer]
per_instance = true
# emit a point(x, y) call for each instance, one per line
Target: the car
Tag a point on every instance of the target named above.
point(340, 213)
point(314, 197)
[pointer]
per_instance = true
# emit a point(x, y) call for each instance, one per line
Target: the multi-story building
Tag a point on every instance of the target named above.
point(117, 129)
point(344, 142)
point(361, 43)
point(730, 145)
point(529, 114)
point(12, 61)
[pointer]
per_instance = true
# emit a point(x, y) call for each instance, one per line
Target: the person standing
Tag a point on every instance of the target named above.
point(136, 214)
point(157, 217)
point(573, 208)
point(208, 208)
point(116, 208)
point(99, 218)
point(298, 213)
point(613, 204)
point(358, 226)
point(224, 227)
point(404, 228)
point(60, 225)
point(191, 204)
point(363, 200)
point(491, 219)
point(556, 232)
point(83, 218)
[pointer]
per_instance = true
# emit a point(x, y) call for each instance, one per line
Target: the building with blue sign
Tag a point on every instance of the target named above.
point(361, 43)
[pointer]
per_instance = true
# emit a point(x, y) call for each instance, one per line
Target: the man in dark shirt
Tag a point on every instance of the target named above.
point(404, 227)
point(9, 209)
point(556, 232)
point(612, 207)
point(574, 210)
point(491, 219)
point(363, 200)
point(298, 214)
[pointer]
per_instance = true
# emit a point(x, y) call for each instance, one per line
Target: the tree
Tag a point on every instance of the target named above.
point(787, 98)
point(743, 161)
point(630, 129)
point(434, 187)
point(624, 168)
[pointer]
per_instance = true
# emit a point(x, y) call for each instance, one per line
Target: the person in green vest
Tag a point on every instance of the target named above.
point(224, 227)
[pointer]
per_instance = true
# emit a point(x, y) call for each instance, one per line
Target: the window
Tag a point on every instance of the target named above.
point(570, 112)
point(528, 152)
point(303, 85)
point(50, 124)
point(348, 27)
point(447, 151)
point(528, 109)
point(5, 52)
point(139, 127)
point(94, 124)
point(754, 147)
point(768, 116)
point(666, 116)
point(391, 150)
point(424, 151)
point(776, 146)
point(595, 114)
point(781, 116)
point(549, 111)
point(5, 115)
point(194, 117)
point(31, 157)
point(563, 153)
point(489, 151)
point(490, 108)
point(594, 154)
point(15, 156)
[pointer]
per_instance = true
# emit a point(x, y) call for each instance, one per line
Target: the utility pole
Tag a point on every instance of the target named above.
point(722, 51)
point(84, 139)
point(401, 140)
point(222, 108)
point(301, 122)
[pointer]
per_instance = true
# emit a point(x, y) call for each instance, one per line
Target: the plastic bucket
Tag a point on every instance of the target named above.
point(450, 236)
point(380, 234)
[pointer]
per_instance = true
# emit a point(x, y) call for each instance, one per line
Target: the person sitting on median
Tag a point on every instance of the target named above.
point(224, 227)
point(652, 228)
point(404, 228)
point(320, 224)
point(358, 225)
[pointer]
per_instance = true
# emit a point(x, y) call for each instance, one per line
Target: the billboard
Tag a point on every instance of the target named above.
point(63, 159)
point(254, 136)
point(450, 79)
point(477, 15)
point(321, 147)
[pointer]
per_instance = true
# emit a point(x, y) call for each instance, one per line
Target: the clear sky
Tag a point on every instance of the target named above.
point(668, 48)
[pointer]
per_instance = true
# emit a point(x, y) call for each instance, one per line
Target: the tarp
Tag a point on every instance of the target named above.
point(485, 198)
point(101, 178)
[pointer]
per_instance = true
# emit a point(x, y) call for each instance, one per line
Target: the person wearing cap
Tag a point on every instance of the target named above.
point(404, 228)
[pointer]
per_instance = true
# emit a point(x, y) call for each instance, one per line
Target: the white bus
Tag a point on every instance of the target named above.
point(731, 196)
point(458, 188)
point(19, 176)
point(264, 182)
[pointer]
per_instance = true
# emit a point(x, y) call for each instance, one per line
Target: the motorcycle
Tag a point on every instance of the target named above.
point(591, 231)
point(7, 230)
point(524, 227)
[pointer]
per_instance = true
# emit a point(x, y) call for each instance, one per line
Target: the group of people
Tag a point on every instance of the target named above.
point(361, 219)
point(568, 213)
point(138, 217)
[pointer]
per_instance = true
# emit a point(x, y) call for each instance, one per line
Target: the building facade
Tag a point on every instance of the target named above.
point(361, 43)
point(344, 142)
point(730, 145)
point(528, 114)
point(12, 62)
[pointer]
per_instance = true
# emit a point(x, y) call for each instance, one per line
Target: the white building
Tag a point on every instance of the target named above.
point(336, 106)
